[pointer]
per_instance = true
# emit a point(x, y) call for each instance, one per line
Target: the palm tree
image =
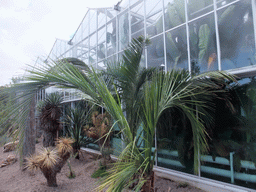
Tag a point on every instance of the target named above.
point(164, 90)
point(175, 89)
point(128, 78)
point(51, 161)
point(50, 113)
point(75, 119)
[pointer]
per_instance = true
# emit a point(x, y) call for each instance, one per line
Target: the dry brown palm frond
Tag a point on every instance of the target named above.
point(92, 133)
point(32, 163)
point(47, 158)
point(64, 145)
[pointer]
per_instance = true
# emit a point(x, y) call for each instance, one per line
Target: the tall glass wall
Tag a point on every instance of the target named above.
point(199, 36)
point(196, 35)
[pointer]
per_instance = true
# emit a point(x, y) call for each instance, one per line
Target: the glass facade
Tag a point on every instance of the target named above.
point(199, 36)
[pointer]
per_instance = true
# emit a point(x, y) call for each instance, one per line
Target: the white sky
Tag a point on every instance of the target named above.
point(28, 29)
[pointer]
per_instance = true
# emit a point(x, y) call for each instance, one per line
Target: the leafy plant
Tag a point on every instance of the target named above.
point(71, 173)
point(49, 115)
point(182, 185)
point(75, 119)
point(101, 172)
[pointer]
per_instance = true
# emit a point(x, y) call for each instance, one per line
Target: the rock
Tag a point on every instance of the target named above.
point(8, 161)
point(10, 146)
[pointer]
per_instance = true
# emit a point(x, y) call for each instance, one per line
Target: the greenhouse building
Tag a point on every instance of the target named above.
point(196, 35)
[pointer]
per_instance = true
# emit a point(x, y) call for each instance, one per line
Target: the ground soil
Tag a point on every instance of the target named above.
point(13, 179)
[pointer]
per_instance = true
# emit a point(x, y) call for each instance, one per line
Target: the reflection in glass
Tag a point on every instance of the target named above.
point(233, 136)
point(203, 51)
point(197, 8)
point(236, 34)
point(175, 148)
point(176, 48)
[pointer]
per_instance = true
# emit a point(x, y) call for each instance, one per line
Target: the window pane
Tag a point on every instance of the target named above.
point(224, 2)
point(155, 52)
point(123, 31)
point(101, 43)
point(154, 17)
point(111, 37)
point(93, 23)
point(176, 48)
point(175, 141)
point(197, 8)
point(236, 33)
point(174, 13)
point(101, 65)
point(203, 51)
point(233, 136)
point(137, 20)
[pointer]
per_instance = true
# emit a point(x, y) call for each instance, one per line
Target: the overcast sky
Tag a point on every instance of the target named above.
point(28, 29)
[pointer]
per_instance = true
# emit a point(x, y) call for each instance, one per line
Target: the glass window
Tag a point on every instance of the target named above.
point(111, 37)
point(137, 20)
point(84, 26)
point(101, 18)
point(232, 148)
point(93, 23)
point(112, 59)
point(110, 14)
point(236, 33)
point(222, 3)
point(203, 50)
point(175, 141)
point(174, 13)
point(197, 8)
point(123, 31)
point(176, 48)
point(101, 65)
point(154, 17)
point(85, 58)
point(101, 50)
point(120, 56)
point(143, 59)
point(155, 52)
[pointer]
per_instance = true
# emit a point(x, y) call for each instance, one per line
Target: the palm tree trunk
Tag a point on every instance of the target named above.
point(29, 141)
point(51, 173)
point(49, 138)
point(149, 185)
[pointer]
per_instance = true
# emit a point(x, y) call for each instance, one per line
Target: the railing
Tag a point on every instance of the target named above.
point(229, 174)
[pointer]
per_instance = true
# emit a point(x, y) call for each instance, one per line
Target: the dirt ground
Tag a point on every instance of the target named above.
point(13, 179)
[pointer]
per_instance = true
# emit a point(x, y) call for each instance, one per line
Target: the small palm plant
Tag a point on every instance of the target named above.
point(75, 119)
point(49, 115)
point(51, 161)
